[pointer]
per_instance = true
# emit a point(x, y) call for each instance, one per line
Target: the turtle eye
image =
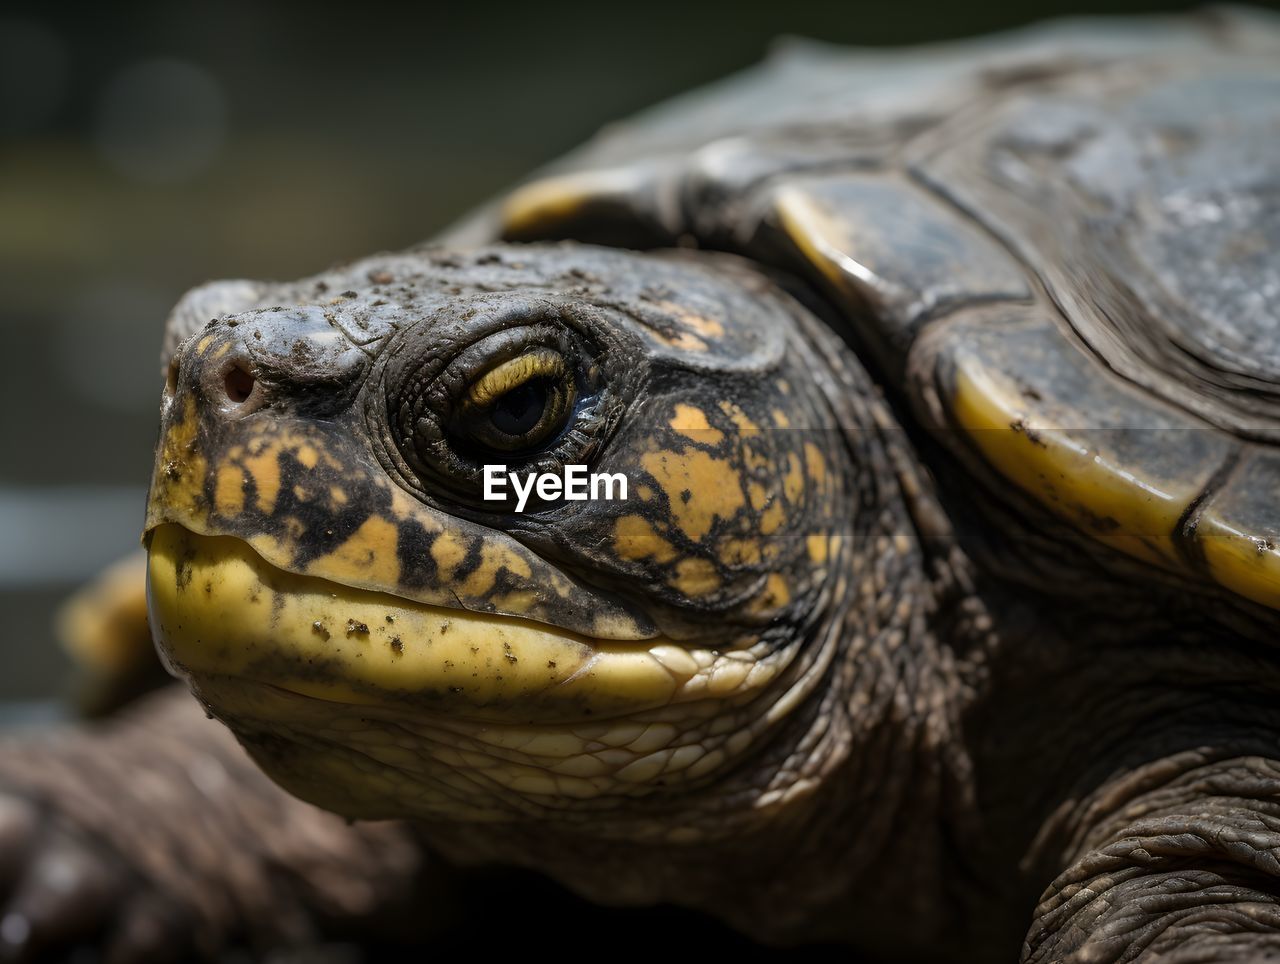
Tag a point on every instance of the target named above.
point(519, 405)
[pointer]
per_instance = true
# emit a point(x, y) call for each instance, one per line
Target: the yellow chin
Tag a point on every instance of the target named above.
point(218, 609)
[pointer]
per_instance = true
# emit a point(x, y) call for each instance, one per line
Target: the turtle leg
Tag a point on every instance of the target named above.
point(153, 837)
point(104, 628)
point(1182, 866)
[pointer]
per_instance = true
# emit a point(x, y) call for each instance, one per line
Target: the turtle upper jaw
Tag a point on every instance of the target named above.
point(219, 608)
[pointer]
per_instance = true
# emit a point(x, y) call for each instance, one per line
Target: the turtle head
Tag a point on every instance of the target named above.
point(489, 535)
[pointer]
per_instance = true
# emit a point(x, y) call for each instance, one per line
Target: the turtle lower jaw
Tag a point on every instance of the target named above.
point(218, 609)
point(375, 706)
point(380, 762)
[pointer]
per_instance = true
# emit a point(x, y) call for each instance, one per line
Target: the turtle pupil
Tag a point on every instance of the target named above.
point(520, 410)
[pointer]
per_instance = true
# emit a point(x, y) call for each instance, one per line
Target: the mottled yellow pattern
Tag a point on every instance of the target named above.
point(634, 537)
point(691, 422)
point(371, 545)
point(699, 487)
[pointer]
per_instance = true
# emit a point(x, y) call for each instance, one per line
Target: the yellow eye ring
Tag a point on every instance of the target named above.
point(520, 403)
point(513, 373)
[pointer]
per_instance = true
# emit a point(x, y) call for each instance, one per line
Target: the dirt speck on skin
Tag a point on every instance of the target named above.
point(355, 627)
point(1033, 436)
point(396, 646)
point(319, 627)
point(509, 656)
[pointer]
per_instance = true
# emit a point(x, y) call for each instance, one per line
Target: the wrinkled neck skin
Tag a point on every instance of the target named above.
point(807, 837)
point(1093, 684)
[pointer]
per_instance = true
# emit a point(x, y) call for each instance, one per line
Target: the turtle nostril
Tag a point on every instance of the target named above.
point(171, 376)
point(238, 384)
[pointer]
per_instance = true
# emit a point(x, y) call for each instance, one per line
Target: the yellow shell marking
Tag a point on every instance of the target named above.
point(1240, 561)
point(1077, 483)
point(1237, 533)
point(537, 207)
point(817, 236)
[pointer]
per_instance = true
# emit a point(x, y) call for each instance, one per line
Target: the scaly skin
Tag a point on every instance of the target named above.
point(770, 645)
point(145, 839)
point(888, 723)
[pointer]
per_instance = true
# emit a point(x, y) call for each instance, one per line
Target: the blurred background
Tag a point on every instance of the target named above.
point(144, 149)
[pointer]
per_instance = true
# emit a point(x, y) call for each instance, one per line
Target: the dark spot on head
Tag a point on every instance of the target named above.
point(356, 627)
point(396, 645)
point(319, 627)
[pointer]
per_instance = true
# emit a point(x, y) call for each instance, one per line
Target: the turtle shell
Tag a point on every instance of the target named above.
point(1063, 244)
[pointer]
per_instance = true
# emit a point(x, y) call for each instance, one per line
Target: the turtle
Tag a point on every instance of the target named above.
point(928, 605)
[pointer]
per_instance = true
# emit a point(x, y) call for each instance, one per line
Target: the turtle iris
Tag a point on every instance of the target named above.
point(520, 404)
point(520, 410)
